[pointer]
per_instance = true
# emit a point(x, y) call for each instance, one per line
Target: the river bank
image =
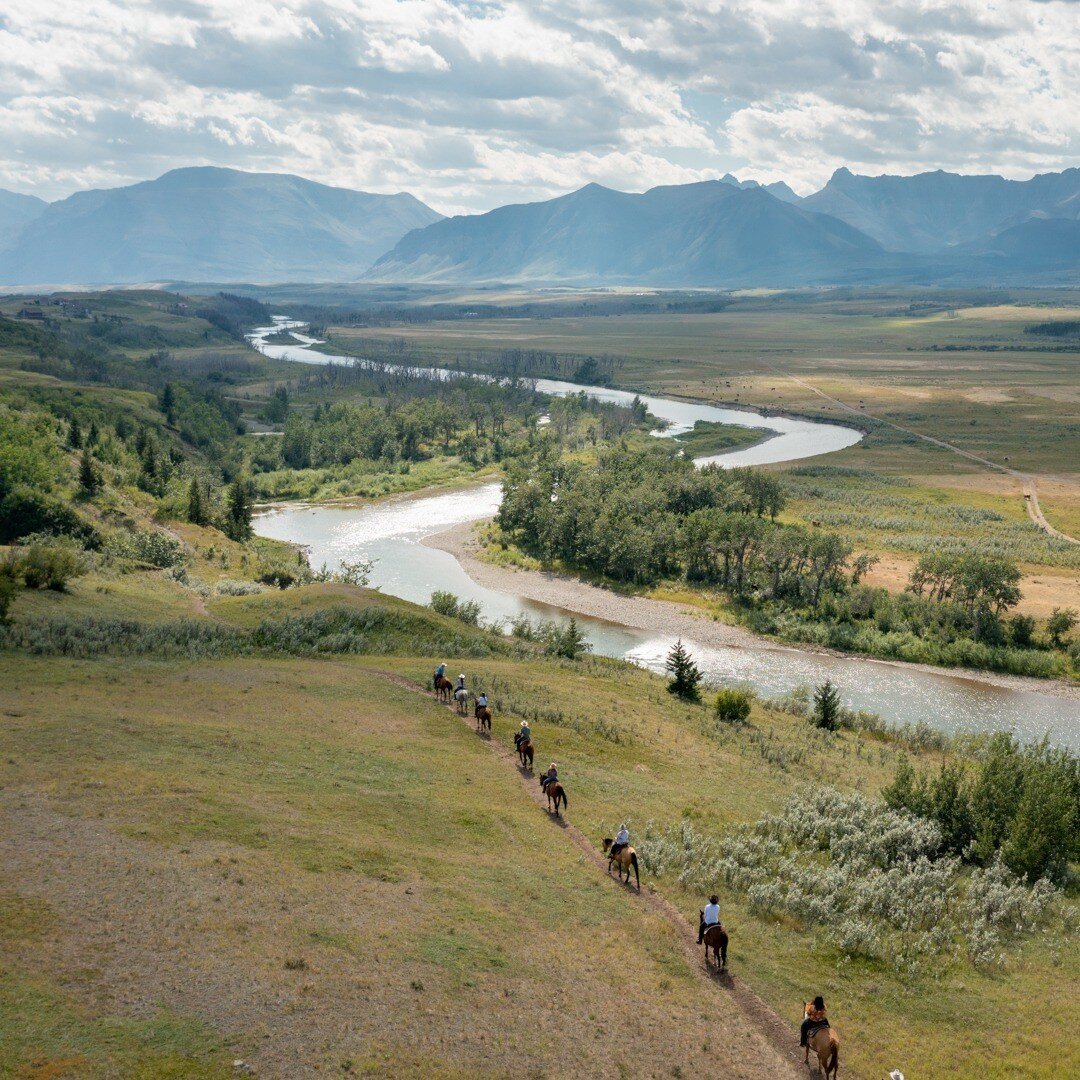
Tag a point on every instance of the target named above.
point(679, 620)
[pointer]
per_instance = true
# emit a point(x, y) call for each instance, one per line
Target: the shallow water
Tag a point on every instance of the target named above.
point(390, 532)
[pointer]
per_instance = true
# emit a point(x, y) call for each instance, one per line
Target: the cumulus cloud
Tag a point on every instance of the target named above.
point(471, 103)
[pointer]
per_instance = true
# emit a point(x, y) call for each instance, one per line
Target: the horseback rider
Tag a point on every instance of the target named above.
point(440, 671)
point(460, 684)
point(550, 776)
point(709, 917)
point(814, 1021)
point(481, 702)
point(622, 840)
point(524, 734)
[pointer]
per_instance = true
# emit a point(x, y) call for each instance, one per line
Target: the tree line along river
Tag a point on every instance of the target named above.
point(391, 532)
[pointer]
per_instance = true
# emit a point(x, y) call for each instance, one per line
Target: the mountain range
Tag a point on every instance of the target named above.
point(211, 224)
point(203, 224)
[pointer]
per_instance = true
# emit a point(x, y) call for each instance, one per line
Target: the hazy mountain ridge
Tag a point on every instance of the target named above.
point(209, 223)
point(685, 234)
point(938, 211)
point(925, 228)
point(16, 212)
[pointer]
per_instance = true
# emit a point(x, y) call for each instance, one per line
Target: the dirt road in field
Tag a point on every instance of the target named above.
point(1027, 481)
point(780, 1036)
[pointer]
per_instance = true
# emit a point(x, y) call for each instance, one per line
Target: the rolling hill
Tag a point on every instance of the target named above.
point(710, 233)
point(201, 224)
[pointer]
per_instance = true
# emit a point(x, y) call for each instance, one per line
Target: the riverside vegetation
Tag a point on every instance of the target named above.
point(643, 516)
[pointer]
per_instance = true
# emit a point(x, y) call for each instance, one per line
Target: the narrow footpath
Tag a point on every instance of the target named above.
point(780, 1035)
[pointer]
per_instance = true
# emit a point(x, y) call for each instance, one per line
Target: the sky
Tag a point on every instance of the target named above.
point(470, 104)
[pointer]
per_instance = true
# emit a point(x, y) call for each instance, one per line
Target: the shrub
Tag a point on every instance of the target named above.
point(446, 603)
point(151, 546)
point(24, 511)
point(8, 588)
point(875, 876)
point(1017, 803)
point(44, 567)
point(227, 587)
point(733, 706)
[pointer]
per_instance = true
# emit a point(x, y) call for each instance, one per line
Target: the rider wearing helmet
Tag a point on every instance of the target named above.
point(481, 702)
point(709, 917)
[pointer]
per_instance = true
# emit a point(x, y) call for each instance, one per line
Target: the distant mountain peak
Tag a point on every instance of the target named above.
point(206, 223)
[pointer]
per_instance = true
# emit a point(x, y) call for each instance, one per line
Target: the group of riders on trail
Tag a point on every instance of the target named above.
point(814, 1020)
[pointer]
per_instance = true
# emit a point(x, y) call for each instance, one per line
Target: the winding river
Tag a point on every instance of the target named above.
point(391, 533)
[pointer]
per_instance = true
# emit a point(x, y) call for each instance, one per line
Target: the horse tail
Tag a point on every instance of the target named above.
point(565, 800)
point(633, 863)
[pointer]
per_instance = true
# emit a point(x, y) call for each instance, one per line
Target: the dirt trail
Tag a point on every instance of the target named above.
point(777, 1033)
point(1027, 481)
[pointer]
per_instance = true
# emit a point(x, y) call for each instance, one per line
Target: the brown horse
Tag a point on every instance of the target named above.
point(525, 752)
point(483, 719)
point(624, 860)
point(444, 688)
point(826, 1044)
point(555, 792)
point(716, 939)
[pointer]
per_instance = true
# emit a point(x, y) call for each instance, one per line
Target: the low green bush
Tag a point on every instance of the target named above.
point(44, 566)
point(733, 706)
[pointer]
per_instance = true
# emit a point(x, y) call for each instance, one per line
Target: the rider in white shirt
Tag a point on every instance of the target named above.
point(621, 840)
point(710, 917)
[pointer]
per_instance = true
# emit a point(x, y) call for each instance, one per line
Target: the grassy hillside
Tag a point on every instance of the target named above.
point(301, 861)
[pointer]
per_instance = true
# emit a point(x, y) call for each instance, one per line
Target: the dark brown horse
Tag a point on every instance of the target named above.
point(483, 719)
point(444, 688)
point(716, 939)
point(555, 792)
point(525, 752)
point(624, 860)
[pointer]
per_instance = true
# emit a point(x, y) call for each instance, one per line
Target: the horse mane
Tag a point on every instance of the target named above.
point(608, 842)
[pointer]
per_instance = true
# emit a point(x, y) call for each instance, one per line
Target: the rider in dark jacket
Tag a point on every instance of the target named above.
point(815, 1018)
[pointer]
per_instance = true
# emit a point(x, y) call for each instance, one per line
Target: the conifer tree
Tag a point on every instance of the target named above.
point(238, 512)
point(685, 674)
point(826, 713)
point(168, 403)
point(196, 508)
point(89, 478)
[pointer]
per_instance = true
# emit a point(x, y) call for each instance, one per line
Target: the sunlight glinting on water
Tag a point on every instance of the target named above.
point(390, 533)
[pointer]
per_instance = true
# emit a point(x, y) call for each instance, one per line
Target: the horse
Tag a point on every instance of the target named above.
point(483, 719)
point(461, 696)
point(444, 688)
point(716, 939)
point(555, 791)
point(624, 860)
point(826, 1044)
point(525, 752)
